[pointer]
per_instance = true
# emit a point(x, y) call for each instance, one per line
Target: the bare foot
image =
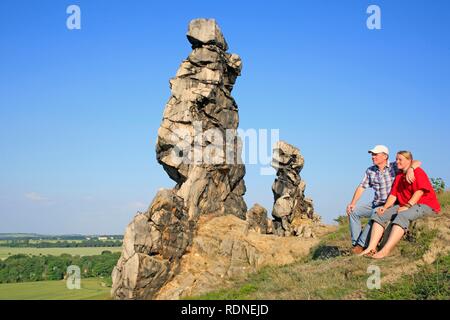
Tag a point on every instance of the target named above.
point(364, 252)
point(380, 255)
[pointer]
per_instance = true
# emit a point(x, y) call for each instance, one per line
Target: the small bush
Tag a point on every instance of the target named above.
point(438, 184)
point(341, 220)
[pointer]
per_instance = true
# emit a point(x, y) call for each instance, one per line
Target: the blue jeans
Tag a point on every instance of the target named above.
point(361, 237)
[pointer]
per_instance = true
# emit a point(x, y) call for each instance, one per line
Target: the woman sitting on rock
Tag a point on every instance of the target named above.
point(413, 201)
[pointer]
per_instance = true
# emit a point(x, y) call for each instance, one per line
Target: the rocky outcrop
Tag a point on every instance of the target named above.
point(199, 148)
point(152, 246)
point(226, 248)
point(195, 237)
point(197, 143)
point(257, 219)
point(293, 213)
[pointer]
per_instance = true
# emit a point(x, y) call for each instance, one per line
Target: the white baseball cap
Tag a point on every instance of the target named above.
point(379, 149)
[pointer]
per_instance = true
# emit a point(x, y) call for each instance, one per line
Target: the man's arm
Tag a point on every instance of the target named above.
point(358, 193)
point(410, 177)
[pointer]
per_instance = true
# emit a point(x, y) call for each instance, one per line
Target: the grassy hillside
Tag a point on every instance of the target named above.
point(91, 289)
point(331, 272)
point(430, 282)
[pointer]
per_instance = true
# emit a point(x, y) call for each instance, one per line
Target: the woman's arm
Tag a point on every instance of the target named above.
point(414, 199)
point(389, 203)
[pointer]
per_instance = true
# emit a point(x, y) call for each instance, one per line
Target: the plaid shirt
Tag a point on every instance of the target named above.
point(381, 182)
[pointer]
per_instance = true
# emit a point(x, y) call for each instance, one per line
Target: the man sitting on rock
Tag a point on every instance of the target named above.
point(379, 177)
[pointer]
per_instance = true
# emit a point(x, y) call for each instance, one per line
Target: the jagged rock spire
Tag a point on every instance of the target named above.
point(291, 208)
point(197, 142)
point(198, 147)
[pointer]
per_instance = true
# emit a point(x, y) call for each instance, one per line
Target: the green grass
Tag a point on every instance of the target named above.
point(430, 283)
point(242, 291)
point(5, 252)
point(322, 279)
point(232, 294)
point(91, 289)
point(444, 199)
point(417, 246)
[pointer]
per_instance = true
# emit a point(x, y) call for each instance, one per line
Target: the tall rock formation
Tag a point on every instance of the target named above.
point(197, 142)
point(292, 212)
point(199, 148)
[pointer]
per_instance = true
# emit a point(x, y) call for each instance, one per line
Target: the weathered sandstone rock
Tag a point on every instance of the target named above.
point(293, 213)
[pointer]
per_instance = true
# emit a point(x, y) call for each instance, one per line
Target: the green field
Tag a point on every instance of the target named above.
point(91, 289)
point(5, 252)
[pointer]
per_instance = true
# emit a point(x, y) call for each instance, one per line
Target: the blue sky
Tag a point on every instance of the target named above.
point(80, 109)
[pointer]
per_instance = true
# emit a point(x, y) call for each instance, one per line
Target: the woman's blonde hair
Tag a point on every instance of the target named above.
point(407, 154)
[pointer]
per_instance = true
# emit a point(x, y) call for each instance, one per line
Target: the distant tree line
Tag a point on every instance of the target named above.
point(20, 236)
point(24, 268)
point(61, 244)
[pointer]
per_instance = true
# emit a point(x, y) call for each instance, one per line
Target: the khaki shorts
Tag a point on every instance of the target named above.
point(404, 218)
